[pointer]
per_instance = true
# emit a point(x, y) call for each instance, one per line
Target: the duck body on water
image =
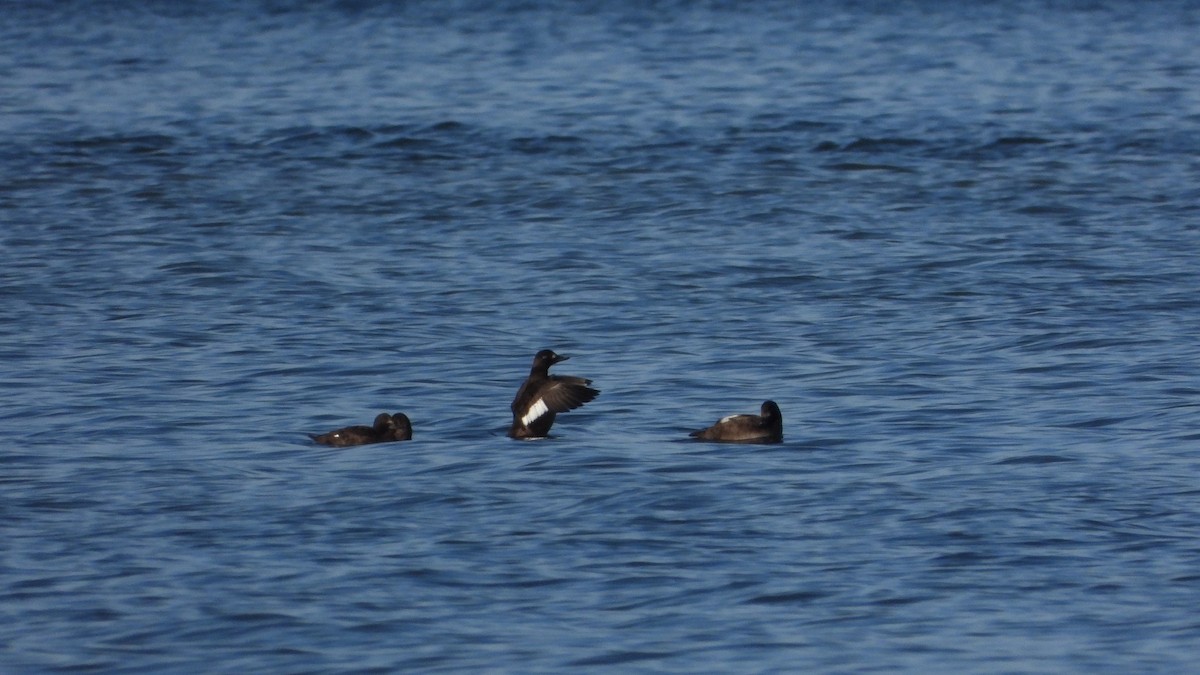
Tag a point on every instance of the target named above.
point(386, 428)
point(765, 427)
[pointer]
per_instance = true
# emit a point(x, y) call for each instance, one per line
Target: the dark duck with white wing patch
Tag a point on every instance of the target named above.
point(765, 427)
point(542, 396)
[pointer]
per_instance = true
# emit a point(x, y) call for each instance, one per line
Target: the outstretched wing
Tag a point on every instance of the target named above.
point(562, 394)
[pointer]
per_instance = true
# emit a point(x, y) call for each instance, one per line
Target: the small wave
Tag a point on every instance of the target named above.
point(860, 166)
point(960, 558)
point(619, 657)
point(1096, 423)
point(1010, 141)
point(880, 144)
point(786, 598)
point(1034, 459)
point(302, 136)
point(538, 145)
point(136, 144)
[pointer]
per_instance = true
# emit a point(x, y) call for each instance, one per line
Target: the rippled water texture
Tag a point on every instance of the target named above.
point(957, 244)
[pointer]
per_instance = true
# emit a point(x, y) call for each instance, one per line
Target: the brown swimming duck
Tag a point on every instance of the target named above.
point(765, 427)
point(386, 428)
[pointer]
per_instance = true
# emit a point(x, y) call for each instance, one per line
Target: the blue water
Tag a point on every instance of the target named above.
point(956, 243)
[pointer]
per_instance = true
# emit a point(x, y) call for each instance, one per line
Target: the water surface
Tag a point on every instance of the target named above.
point(956, 244)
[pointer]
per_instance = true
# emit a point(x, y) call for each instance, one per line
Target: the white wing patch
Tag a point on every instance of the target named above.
point(536, 410)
